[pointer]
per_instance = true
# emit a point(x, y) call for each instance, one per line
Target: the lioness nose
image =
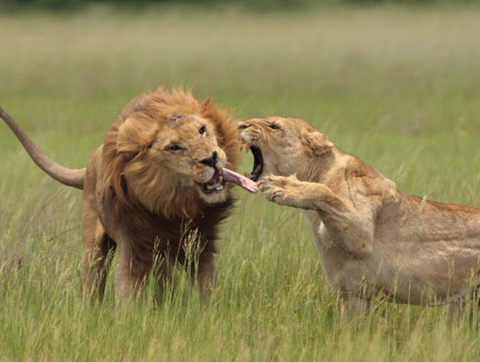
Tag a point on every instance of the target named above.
point(212, 161)
point(244, 126)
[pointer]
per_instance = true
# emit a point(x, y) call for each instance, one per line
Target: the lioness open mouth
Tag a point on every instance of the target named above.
point(257, 163)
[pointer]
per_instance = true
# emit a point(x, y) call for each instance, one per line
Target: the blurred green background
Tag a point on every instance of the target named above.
point(247, 4)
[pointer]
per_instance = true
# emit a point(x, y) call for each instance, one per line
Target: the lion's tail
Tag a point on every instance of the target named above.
point(66, 176)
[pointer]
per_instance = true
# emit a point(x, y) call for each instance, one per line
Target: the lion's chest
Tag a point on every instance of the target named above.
point(148, 234)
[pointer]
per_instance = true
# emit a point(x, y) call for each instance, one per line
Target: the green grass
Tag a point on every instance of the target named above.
point(397, 87)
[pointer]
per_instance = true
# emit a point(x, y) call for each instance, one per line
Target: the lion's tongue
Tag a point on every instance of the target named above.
point(240, 180)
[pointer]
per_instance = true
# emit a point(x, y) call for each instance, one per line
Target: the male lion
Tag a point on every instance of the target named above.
point(372, 239)
point(155, 185)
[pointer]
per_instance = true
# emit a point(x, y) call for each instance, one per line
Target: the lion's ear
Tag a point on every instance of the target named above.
point(135, 135)
point(317, 143)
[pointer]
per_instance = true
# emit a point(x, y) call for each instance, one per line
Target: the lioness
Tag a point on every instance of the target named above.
point(372, 239)
point(155, 185)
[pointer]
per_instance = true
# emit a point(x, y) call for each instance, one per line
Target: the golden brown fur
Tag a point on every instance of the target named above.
point(143, 190)
point(372, 239)
point(141, 120)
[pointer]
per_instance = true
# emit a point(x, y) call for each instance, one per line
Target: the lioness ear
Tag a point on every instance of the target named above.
point(135, 135)
point(317, 143)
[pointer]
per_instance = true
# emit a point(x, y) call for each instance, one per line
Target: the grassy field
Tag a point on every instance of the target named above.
point(397, 87)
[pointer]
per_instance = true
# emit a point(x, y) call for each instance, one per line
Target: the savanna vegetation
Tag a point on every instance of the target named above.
point(396, 86)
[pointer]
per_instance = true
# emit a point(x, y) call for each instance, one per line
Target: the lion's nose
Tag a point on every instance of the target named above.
point(244, 126)
point(211, 161)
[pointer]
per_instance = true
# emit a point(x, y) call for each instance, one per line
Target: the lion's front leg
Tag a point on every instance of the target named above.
point(131, 275)
point(206, 274)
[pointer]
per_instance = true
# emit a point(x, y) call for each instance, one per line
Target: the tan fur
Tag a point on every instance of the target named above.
point(144, 198)
point(373, 240)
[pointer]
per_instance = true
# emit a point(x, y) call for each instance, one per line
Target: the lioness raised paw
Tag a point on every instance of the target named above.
point(282, 190)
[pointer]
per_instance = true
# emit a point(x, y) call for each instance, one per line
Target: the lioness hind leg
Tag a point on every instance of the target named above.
point(465, 308)
point(97, 256)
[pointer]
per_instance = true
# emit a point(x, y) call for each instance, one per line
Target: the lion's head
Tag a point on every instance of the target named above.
point(165, 152)
point(283, 146)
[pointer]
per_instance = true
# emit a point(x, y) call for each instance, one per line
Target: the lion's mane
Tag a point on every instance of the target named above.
point(160, 209)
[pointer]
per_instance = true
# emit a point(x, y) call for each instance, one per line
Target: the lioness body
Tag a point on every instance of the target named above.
point(372, 238)
point(153, 190)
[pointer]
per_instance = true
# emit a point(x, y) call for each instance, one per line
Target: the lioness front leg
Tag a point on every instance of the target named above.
point(350, 305)
point(351, 229)
point(289, 191)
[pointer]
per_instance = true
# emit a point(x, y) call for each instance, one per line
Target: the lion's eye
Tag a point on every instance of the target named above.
point(175, 148)
point(202, 130)
point(273, 126)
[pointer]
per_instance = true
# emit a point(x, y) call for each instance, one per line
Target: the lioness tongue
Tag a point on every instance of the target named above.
point(240, 180)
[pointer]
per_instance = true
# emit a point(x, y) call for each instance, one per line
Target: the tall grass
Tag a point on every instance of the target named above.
point(397, 87)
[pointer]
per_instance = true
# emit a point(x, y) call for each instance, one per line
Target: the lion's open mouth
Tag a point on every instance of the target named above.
point(216, 183)
point(257, 163)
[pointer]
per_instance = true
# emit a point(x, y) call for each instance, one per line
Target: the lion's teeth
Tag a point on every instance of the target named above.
point(247, 147)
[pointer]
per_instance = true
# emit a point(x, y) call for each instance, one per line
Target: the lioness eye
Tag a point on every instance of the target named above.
point(175, 148)
point(273, 126)
point(202, 130)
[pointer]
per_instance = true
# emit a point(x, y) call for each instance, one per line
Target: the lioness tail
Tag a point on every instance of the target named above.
point(67, 176)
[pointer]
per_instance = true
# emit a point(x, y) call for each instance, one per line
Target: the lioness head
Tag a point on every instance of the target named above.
point(282, 146)
point(166, 152)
